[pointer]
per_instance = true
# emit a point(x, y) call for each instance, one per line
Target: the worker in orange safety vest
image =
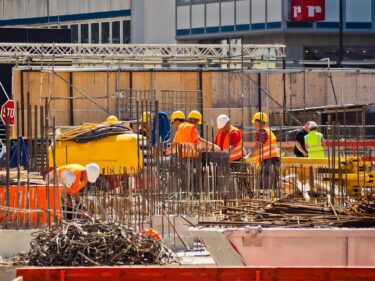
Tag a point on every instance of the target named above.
point(229, 138)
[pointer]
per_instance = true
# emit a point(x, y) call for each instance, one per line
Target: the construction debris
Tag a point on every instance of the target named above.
point(292, 213)
point(94, 243)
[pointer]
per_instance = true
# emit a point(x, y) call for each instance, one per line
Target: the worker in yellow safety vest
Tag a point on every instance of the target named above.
point(314, 142)
point(266, 151)
point(74, 178)
point(229, 138)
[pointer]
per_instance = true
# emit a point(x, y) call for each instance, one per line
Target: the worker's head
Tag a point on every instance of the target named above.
point(177, 118)
point(313, 126)
point(259, 120)
point(112, 119)
point(195, 117)
point(93, 172)
point(223, 122)
point(146, 117)
point(67, 178)
point(306, 126)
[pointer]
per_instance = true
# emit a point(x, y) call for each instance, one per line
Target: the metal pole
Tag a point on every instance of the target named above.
point(341, 34)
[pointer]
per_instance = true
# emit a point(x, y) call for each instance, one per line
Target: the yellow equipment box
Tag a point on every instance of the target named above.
point(113, 154)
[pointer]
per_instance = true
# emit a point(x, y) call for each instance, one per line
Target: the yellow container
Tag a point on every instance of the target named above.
point(113, 153)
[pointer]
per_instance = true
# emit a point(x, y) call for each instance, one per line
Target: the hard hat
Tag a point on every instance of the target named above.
point(313, 125)
point(67, 178)
point(261, 116)
point(112, 119)
point(93, 172)
point(146, 117)
point(222, 120)
point(177, 115)
point(194, 114)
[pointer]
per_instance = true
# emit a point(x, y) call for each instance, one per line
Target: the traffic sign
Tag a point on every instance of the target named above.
point(7, 109)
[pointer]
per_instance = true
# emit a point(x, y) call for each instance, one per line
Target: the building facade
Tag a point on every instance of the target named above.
point(269, 21)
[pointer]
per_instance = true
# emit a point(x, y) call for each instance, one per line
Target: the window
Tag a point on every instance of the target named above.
point(64, 26)
point(116, 32)
point(183, 2)
point(126, 32)
point(105, 32)
point(95, 33)
point(74, 33)
point(84, 33)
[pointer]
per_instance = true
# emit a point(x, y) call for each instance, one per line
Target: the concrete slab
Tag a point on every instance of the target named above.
point(7, 273)
point(14, 241)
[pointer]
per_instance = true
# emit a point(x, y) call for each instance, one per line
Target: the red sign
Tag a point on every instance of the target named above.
point(8, 110)
point(307, 10)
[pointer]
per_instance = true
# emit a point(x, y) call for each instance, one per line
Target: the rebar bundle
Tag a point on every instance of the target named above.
point(82, 243)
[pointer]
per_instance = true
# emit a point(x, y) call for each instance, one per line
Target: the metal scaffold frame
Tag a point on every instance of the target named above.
point(140, 53)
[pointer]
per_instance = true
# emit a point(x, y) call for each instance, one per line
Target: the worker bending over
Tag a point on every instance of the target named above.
point(229, 138)
point(144, 128)
point(314, 142)
point(187, 136)
point(74, 177)
point(266, 151)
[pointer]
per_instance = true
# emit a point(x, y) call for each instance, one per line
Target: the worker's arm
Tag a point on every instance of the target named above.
point(300, 148)
point(256, 150)
point(209, 145)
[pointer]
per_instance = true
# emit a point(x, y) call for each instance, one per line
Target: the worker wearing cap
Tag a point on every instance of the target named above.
point(145, 120)
point(266, 151)
point(314, 142)
point(300, 147)
point(229, 138)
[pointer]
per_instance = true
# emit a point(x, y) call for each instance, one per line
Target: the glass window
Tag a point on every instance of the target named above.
point(105, 32)
point(116, 32)
point(74, 33)
point(126, 32)
point(64, 26)
point(183, 2)
point(95, 33)
point(84, 33)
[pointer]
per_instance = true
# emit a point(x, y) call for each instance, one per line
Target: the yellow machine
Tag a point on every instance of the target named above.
point(111, 145)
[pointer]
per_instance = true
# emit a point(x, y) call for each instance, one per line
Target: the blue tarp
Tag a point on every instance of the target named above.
point(164, 129)
point(23, 153)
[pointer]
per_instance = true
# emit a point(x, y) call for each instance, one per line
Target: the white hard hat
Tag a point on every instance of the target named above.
point(93, 172)
point(67, 178)
point(222, 120)
point(312, 125)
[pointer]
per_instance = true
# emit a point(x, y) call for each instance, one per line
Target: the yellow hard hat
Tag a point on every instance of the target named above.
point(112, 119)
point(146, 117)
point(177, 115)
point(261, 116)
point(195, 115)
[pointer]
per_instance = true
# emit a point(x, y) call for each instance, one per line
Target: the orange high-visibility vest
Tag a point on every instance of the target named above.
point(270, 148)
point(186, 140)
point(80, 181)
point(236, 153)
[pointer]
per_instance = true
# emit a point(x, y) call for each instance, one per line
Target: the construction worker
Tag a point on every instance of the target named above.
point(229, 138)
point(300, 147)
point(187, 135)
point(266, 151)
point(74, 177)
point(314, 142)
point(145, 120)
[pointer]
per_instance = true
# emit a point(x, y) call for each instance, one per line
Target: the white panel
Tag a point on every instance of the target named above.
point(14, 9)
point(243, 12)
point(35, 8)
point(332, 10)
point(183, 17)
point(274, 10)
point(197, 16)
point(358, 11)
point(212, 14)
point(227, 13)
point(258, 11)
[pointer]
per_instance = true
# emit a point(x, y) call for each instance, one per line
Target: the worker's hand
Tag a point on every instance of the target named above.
point(216, 148)
point(248, 160)
point(304, 153)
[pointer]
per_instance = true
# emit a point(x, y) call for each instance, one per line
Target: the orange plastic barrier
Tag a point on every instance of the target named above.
point(22, 204)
